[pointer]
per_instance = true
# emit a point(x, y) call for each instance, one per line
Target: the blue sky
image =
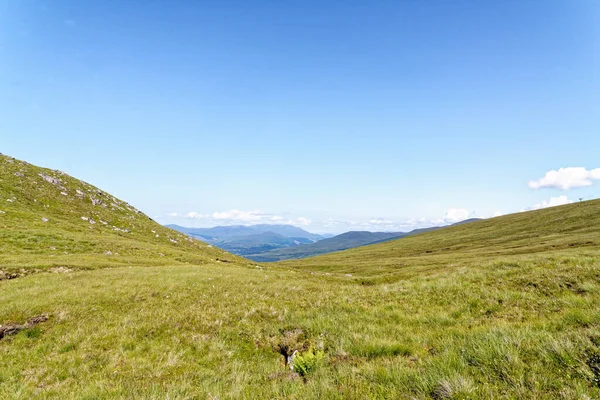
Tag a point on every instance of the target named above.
point(332, 115)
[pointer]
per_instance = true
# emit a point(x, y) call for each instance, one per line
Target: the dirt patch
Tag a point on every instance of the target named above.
point(13, 274)
point(13, 329)
point(293, 341)
point(6, 275)
point(284, 376)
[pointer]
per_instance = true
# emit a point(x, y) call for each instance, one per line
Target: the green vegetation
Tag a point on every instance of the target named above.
point(502, 308)
point(571, 230)
point(49, 219)
point(307, 362)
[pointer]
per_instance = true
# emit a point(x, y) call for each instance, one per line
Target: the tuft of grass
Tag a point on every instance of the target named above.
point(33, 333)
point(375, 350)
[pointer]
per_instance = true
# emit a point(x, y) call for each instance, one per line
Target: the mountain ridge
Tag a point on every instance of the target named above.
point(51, 219)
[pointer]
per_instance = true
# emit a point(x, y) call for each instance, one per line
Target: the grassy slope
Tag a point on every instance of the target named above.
point(503, 321)
point(494, 330)
point(66, 239)
point(572, 229)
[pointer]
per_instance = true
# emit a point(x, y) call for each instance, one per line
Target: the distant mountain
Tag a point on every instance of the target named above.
point(344, 241)
point(466, 221)
point(260, 243)
point(264, 243)
point(289, 231)
point(254, 239)
point(340, 242)
point(224, 232)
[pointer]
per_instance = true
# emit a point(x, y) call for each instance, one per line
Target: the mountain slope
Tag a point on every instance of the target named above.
point(555, 231)
point(51, 219)
point(340, 242)
point(259, 242)
point(226, 232)
point(254, 239)
point(344, 241)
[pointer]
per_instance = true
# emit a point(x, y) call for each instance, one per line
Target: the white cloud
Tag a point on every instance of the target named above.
point(332, 223)
point(237, 215)
point(195, 215)
point(456, 215)
point(379, 221)
point(566, 178)
point(554, 201)
point(302, 221)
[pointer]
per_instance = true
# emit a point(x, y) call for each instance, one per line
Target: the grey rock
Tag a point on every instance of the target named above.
point(50, 179)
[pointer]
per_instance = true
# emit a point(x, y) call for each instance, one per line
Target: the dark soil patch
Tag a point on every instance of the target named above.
point(13, 329)
point(293, 340)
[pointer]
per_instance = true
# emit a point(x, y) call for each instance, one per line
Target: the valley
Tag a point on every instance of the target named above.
point(507, 307)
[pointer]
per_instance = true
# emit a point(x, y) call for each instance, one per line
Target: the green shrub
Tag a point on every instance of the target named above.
point(308, 361)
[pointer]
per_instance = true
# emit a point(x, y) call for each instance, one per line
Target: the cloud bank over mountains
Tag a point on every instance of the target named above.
point(239, 217)
point(562, 179)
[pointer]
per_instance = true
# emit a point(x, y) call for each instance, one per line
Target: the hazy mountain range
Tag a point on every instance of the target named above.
point(255, 239)
point(263, 243)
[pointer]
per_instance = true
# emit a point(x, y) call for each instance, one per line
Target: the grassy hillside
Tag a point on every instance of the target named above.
point(570, 230)
point(50, 219)
point(507, 308)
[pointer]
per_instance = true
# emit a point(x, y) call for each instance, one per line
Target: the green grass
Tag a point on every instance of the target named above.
point(492, 331)
point(570, 230)
point(504, 308)
point(28, 241)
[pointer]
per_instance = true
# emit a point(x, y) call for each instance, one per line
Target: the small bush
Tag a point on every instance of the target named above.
point(308, 361)
point(33, 333)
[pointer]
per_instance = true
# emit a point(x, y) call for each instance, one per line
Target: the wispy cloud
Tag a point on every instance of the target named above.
point(380, 221)
point(553, 202)
point(236, 216)
point(451, 216)
point(300, 221)
point(454, 215)
point(566, 178)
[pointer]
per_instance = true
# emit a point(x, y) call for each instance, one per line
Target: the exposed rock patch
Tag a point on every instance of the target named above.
point(61, 270)
point(50, 179)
